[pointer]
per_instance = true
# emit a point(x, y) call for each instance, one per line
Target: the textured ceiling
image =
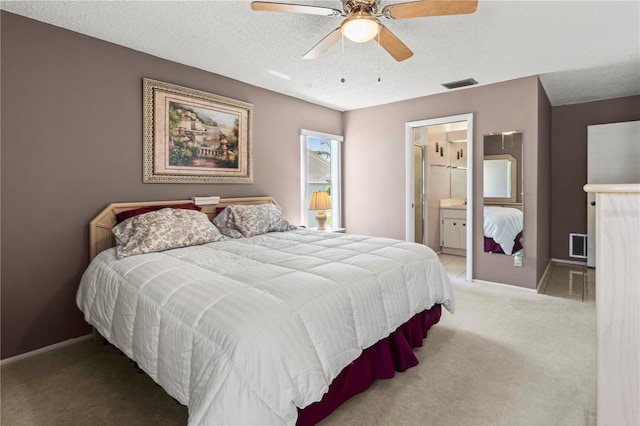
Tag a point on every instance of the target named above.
point(582, 50)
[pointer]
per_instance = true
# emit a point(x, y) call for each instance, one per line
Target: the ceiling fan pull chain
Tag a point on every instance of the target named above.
point(379, 65)
point(342, 58)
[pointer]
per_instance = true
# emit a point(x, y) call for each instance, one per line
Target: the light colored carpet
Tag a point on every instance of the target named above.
point(507, 357)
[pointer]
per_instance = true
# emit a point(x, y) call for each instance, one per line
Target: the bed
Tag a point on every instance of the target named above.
point(274, 328)
point(502, 229)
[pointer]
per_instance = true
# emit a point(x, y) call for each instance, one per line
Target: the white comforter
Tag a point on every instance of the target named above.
point(245, 331)
point(503, 224)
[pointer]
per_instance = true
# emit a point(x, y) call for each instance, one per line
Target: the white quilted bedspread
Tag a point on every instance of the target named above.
point(245, 331)
point(503, 224)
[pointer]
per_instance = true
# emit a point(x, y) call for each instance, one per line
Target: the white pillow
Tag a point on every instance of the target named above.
point(162, 230)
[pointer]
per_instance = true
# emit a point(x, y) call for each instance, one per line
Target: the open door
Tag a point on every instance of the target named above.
point(613, 156)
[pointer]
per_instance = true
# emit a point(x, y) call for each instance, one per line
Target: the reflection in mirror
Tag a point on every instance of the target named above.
point(500, 173)
point(502, 186)
point(458, 165)
point(419, 192)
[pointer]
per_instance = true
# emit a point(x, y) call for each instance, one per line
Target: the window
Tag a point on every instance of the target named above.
point(321, 171)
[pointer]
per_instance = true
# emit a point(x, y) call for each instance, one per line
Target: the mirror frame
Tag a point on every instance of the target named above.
point(514, 173)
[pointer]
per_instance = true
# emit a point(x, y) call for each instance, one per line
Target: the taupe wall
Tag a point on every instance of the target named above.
point(72, 143)
point(374, 178)
point(569, 163)
point(543, 255)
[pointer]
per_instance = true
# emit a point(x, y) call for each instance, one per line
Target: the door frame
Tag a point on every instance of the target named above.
point(409, 178)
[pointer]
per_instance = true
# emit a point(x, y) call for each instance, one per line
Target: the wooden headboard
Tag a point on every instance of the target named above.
point(101, 238)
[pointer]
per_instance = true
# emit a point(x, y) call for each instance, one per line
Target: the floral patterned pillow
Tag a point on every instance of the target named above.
point(225, 222)
point(162, 230)
point(277, 222)
point(251, 220)
point(247, 221)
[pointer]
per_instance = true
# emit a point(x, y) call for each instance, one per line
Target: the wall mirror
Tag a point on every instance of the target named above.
point(458, 163)
point(502, 188)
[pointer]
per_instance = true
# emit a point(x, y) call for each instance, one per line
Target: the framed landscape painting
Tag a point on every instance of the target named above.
point(192, 136)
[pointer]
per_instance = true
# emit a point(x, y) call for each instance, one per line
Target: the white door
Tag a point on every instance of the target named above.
point(613, 156)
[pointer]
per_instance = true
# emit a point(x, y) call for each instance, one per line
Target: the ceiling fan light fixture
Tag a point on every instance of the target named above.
point(360, 28)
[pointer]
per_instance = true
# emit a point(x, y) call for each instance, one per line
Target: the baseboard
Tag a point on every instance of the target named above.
point(44, 350)
point(502, 284)
point(569, 262)
point(454, 251)
point(543, 279)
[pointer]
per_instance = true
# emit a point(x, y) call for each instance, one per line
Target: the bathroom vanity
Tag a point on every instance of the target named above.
point(453, 228)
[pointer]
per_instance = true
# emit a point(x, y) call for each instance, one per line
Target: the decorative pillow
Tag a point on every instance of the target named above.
point(162, 230)
point(238, 221)
point(122, 216)
point(225, 223)
point(251, 220)
point(277, 222)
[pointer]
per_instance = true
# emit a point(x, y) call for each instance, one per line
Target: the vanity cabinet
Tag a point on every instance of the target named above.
point(453, 231)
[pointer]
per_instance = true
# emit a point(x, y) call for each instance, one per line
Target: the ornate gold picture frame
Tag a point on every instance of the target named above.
point(192, 136)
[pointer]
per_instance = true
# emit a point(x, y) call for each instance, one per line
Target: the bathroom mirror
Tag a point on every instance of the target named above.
point(458, 167)
point(502, 189)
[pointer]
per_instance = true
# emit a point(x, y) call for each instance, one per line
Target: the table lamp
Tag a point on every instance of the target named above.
point(320, 202)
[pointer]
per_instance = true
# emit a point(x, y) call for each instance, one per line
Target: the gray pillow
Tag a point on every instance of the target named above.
point(238, 221)
point(225, 222)
point(162, 230)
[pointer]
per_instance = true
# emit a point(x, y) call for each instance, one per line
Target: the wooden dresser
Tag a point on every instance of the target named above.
point(618, 302)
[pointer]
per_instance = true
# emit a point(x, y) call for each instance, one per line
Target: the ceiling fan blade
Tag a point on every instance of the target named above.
point(263, 6)
point(392, 44)
point(421, 9)
point(324, 44)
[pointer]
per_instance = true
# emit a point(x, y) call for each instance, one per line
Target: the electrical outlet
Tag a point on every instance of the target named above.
point(517, 261)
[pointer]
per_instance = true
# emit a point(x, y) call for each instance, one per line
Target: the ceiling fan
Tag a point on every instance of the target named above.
point(361, 21)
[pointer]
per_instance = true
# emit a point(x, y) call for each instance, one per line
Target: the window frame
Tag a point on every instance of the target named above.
point(336, 176)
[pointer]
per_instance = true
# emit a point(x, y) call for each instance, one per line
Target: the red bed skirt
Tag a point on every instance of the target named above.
point(379, 361)
point(490, 245)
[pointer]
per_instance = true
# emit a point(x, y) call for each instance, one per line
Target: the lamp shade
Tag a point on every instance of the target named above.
point(320, 201)
point(360, 28)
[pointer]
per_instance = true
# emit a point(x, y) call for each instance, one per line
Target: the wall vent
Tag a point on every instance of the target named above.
point(578, 245)
point(460, 83)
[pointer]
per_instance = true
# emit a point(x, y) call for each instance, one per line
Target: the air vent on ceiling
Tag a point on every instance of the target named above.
point(460, 83)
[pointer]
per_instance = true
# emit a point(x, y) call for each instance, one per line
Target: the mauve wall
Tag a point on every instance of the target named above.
point(569, 163)
point(374, 175)
point(72, 143)
point(543, 254)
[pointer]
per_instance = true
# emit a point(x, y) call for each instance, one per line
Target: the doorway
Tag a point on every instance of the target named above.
point(422, 198)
